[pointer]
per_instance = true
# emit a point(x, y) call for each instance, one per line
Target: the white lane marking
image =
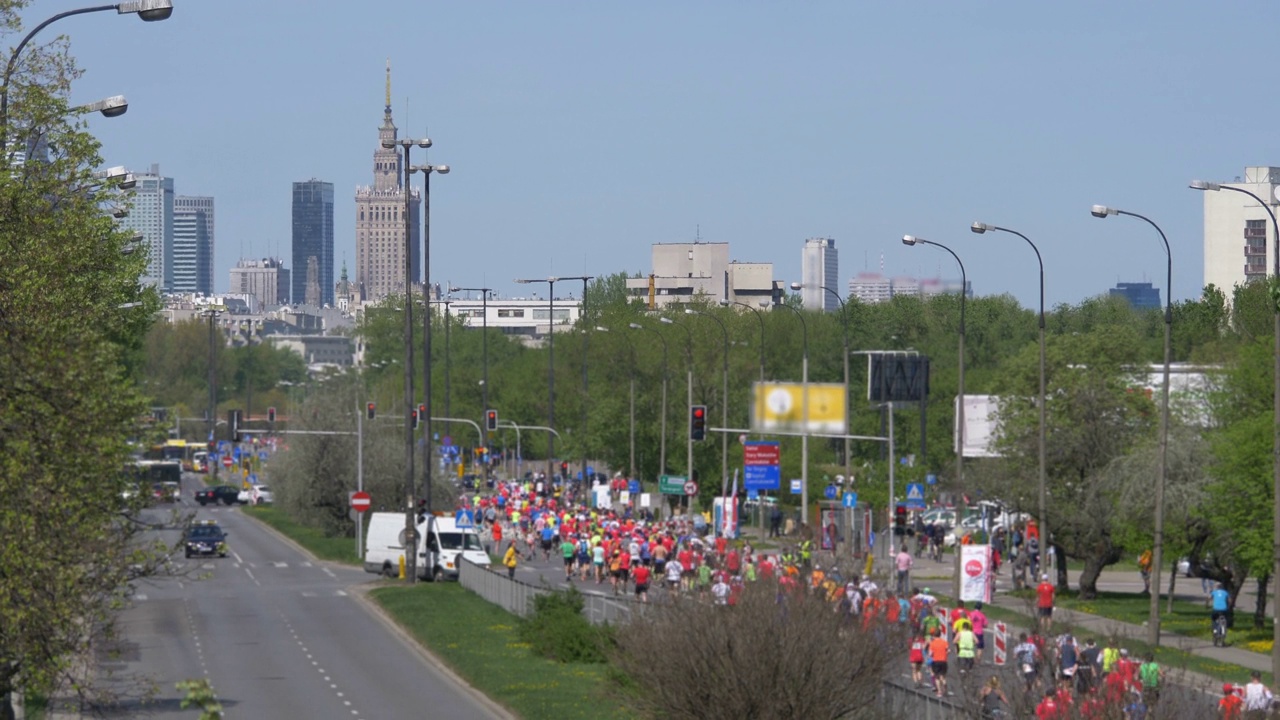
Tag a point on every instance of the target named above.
point(281, 564)
point(329, 572)
point(304, 564)
point(236, 555)
point(249, 572)
point(340, 593)
point(140, 596)
point(308, 593)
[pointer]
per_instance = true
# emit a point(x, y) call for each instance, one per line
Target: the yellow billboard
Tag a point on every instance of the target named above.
point(780, 407)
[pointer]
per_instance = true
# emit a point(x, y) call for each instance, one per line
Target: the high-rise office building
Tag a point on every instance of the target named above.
point(1237, 231)
point(192, 245)
point(1142, 296)
point(313, 239)
point(380, 224)
point(819, 268)
point(267, 280)
point(152, 215)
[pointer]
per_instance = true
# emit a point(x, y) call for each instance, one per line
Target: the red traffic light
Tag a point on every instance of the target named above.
point(699, 412)
point(369, 410)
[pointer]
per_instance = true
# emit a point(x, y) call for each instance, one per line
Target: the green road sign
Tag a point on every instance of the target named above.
point(671, 484)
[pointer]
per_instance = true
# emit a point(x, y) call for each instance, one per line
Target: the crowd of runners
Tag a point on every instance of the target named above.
point(633, 553)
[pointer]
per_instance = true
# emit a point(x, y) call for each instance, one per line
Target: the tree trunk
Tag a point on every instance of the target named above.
point(1089, 577)
point(1060, 559)
point(1260, 610)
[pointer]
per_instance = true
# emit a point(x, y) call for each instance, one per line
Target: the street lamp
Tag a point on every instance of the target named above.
point(726, 303)
point(688, 374)
point(586, 388)
point(632, 435)
point(114, 106)
point(844, 327)
point(212, 315)
point(1153, 621)
point(148, 10)
point(426, 170)
point(804, 415)
point(662, 432)
point(724, 395)
point(1275, 528)
point(1045, 542)
point(484, 353)
point(410, 557)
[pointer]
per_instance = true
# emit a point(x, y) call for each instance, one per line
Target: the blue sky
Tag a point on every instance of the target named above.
point(580, 133)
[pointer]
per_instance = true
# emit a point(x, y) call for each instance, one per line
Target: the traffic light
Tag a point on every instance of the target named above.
point(369, 410)
point(490, 420)
point(698, 422)
point(271, 414)
point(900, 520)
point(413, 417)
point(422, 413)
point(233, 425)
point(564, 470)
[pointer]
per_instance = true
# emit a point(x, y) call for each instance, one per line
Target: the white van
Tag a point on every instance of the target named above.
point(441, 543)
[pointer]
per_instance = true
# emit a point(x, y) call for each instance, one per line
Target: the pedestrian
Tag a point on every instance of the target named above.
point(1049, 708)
point(775, 522)
point(966, 645)
point(1087, 668)
point(1231, 706)
point(993, 702)
point(510, 559)
point(641, 574)
point(1044, 602)
point(1144, 567)
point(1150, 674)
point(904, 563)
point(1028, 660)
point(1257, 697)
point(915, 656)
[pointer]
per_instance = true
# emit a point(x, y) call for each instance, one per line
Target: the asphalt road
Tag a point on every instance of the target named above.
point(277, 635)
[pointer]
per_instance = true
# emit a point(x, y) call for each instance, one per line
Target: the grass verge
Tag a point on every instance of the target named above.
point(480, 642)
point(335, 549)
point(1167, 656)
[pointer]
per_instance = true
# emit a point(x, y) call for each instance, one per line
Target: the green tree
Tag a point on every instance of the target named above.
point(67, 404)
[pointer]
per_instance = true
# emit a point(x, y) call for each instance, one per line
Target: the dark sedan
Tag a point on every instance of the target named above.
point(205, 539)
point(225, 494)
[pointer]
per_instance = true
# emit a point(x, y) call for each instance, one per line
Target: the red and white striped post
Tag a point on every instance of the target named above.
point(1001, 643)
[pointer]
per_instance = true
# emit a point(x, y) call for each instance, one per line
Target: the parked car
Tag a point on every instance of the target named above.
point(205, 539)
point(260, 494)
point(225, 494)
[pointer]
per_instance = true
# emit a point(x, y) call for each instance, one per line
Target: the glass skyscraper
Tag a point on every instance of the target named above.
point(152, 215)
point(312, 272)
point(192, 245)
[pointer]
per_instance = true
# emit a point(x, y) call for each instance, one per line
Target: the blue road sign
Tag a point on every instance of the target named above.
point(915, 496)
point(931, 479)
point(464, 519)
point(253, 478)
point(263, 455)
point(761, 477)
point(448, 440)
point(235, 453)
point(830, 492)
point(796, 486)
point(634, 487)
point(753, 494)
point(850, 499)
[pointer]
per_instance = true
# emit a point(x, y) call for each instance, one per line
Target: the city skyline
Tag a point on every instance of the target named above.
point(573, 151)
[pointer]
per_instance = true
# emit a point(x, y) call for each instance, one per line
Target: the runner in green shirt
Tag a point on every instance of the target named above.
point(568, 549)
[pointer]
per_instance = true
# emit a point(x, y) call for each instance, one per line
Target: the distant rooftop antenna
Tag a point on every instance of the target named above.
point(882, 263)
point(697, 234)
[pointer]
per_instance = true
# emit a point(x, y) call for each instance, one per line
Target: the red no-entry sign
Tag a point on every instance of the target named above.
point(360, 501)
point(226, 461)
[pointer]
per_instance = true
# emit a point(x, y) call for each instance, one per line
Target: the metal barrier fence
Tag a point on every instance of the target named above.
point(516, 596)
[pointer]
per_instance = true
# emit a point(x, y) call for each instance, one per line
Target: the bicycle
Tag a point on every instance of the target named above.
point(1220, 631)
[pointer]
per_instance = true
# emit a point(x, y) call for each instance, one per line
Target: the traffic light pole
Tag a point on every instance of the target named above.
point(688, 438)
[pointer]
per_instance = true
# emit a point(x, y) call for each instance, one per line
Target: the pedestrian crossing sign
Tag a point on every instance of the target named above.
point(915, 495)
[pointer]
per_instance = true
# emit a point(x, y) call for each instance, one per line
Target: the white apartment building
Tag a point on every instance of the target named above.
point(1238, 237)
point(265, 279)
point(524, 318)
point(152, 215)
point(819, 268)
point(871, 287)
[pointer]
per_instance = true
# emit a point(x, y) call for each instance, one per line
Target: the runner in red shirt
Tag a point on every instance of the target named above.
point(1049, 708)
point(1044, 603)
point(1231, 706)
point(642, 582)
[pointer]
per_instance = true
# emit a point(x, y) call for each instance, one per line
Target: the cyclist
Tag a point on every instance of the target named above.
point(1219, 600)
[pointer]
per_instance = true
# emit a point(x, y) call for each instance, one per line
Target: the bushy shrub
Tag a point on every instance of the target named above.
point(558, 630)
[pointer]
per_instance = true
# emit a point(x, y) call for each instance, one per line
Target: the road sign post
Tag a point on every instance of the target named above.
point(671, 484)
point(691, 488)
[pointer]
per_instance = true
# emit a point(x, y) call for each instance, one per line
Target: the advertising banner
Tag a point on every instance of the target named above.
point(975, 573)
point(781, 407)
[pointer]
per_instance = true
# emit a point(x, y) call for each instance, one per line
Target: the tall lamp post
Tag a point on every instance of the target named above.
point(427, 437)
point(844, 328)
point(448, 372)
point(586, 387)
point(759, 317)
point(147, 10)
point(1275, 528)
point(484, 354)
point(1045, 542)
point(212, 316)
point(804, 414)
point(662, 432)
point(724, 394)
point(688, 375)
point(1153, 620)
point(551, 360)
point(632, 433)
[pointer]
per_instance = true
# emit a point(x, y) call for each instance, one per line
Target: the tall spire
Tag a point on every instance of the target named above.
point(388, 108)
